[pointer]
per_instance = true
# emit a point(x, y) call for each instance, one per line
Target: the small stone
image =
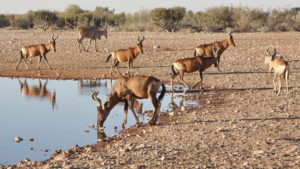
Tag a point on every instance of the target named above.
point(156, 47)
point(258, 152)
point(91, 126)
point(31, 139)
point(172, 113)
point(18, 139)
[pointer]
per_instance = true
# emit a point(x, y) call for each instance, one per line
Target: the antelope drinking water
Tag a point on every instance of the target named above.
point(127, 90)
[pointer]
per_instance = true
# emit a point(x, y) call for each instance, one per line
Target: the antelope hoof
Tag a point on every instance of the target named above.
point(138, 124)
point(194, 86)
point(151, 122)
point(123, 126)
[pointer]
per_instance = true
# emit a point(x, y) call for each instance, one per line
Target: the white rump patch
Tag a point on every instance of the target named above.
point(280, 69)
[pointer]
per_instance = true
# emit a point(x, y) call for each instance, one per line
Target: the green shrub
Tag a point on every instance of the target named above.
point(168, 19)
point(3, 21)
point(20, 21)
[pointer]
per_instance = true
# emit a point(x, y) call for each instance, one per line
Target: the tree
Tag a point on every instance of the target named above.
point(71, 15)
point(86, 19)
point(42, 18)
point(168, 19)
point(103, 16)
point(220, 17)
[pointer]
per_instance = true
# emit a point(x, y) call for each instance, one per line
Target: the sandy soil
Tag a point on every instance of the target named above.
point(239, 123)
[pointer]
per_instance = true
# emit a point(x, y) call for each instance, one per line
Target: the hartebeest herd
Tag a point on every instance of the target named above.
point(128, 89)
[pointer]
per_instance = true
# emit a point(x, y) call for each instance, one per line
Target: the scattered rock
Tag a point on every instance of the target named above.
point(91, 126)
point(18, 139)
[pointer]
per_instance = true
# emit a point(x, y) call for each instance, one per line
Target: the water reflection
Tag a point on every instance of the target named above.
point(89, 86)
point(63, 128)
point(173, 99)
point(39, 91)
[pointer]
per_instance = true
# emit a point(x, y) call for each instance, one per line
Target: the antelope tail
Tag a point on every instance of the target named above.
point(287, 71)
point(108, 57)
point(163, 91)
point(21, 53)
point(195, 52)
point(174, 70)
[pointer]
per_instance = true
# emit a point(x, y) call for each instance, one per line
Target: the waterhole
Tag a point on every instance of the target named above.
point(49, 115)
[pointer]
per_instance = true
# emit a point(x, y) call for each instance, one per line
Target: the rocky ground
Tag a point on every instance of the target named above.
point(238, 123)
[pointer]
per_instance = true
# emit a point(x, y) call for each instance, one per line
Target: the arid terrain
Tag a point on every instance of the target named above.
point(239, 122)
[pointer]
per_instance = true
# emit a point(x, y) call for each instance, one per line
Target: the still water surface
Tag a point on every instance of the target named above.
point(59, 119)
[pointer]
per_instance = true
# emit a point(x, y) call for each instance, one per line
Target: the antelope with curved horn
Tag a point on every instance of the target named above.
point(207, 49)
point(281, 70)
point(39, 92)
point(127, 90)
point(91, 33)
point(37, 50)
point(125, 55)
point(189, 65)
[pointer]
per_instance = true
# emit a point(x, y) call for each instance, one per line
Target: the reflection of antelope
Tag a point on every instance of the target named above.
point(90, 83)
point(281, 70)
point(127, 90)
point(37, 50)
point(101, 135)
point(189, 65)
point(39, 92)
point(125, 55)
point(207, 49)
point(91, 33)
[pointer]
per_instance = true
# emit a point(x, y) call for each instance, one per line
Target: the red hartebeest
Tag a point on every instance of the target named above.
point(207, 49)
point(189, 65)
point(128, 89)
point(37, 50)
point(125, 55)
point(92, 33)
point(281, 69)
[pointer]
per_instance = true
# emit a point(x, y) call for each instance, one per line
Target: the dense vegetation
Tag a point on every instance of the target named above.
point(160, 19)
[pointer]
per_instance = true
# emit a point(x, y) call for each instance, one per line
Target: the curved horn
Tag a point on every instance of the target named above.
point(269, 52)
point(141, 39)
point(94, 97)
point(53, 37)
point(230, 34)
point(275, 52)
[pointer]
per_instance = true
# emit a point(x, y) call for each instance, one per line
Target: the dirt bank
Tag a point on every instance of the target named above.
point(239, 123)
